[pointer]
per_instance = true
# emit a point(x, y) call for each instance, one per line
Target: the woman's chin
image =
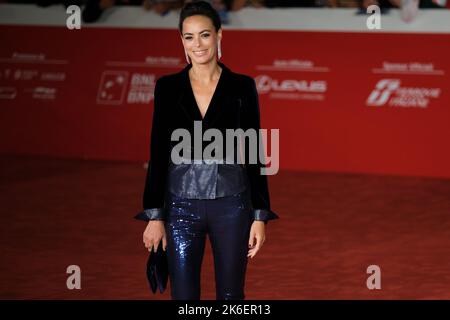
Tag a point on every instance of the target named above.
point(202, 60)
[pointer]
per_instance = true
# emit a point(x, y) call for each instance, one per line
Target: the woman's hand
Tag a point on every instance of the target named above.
point(258, 235)
point(153, 234)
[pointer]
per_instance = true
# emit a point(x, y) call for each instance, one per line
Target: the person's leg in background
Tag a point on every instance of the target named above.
point(186, 235)
point(229, 223)
point(93, 9)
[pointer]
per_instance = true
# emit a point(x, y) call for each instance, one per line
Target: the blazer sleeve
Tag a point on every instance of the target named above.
point(155, 182)
point(259, 188)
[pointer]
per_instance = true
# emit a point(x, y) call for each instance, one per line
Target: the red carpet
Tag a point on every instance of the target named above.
point(59, 212)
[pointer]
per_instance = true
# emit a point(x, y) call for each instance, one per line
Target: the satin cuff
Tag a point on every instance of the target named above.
point(158, 214)
point(264, 215)
point(151, 214)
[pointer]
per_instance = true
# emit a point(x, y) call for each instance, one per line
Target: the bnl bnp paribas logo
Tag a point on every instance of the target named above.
point(389, 92)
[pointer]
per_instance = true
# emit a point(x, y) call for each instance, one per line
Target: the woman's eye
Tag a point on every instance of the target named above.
point(188, 38)
point(205, 35)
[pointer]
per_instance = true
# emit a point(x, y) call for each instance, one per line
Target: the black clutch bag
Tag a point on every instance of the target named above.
point(157, 269)
point(157, 265)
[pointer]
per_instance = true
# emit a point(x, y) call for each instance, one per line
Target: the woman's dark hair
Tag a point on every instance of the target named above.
point(199, 8)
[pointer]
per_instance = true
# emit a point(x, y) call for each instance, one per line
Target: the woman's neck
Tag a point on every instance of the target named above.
point(205, 73)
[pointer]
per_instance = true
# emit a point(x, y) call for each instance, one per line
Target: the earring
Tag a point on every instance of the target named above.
point(187, 57)
point(219, 51)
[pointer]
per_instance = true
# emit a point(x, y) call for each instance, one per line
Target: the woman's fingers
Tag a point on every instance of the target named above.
point(259, 241)
point(148, 243)
point(251, 243)
point(257, 238)
point(153, 235)
point(151, 244)
point(251, 240)
point(252, 252)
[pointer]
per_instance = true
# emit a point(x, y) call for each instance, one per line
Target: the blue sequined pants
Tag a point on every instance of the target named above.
point(227, 223)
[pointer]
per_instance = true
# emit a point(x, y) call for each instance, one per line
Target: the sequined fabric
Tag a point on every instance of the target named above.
point(227, 222)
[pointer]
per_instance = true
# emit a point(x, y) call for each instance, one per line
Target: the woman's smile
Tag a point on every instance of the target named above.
point(200, 53)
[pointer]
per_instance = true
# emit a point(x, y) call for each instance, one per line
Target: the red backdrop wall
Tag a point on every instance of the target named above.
point(89, 93)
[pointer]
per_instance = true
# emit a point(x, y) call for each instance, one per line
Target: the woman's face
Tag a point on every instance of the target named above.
point(200, 39)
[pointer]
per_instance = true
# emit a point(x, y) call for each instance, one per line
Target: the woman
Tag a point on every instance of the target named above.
point(184, 202)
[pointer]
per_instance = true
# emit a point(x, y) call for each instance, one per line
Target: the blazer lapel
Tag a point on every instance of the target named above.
point(187, 99)
point(218, 100)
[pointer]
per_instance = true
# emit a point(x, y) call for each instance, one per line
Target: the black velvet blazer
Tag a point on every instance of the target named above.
point(233, 105)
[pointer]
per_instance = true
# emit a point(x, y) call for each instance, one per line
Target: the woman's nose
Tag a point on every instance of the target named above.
point(196, 42)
